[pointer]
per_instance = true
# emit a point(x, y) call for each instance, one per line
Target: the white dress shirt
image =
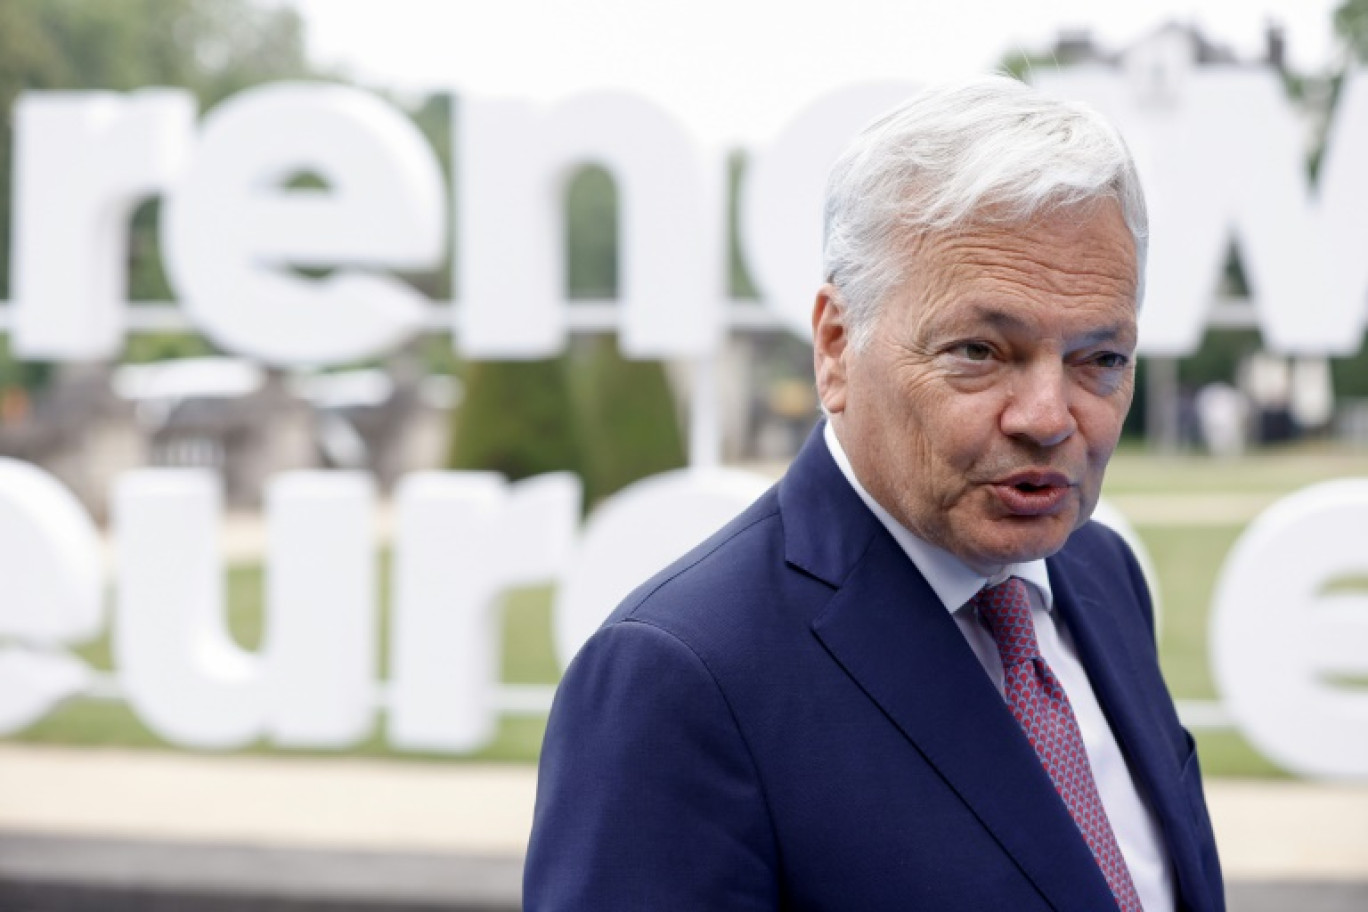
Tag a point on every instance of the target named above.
point(1132, 820)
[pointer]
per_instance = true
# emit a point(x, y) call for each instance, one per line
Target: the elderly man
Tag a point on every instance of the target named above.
point(913, 675)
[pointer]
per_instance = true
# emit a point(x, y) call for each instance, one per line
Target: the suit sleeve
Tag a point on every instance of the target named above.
point(647, 795)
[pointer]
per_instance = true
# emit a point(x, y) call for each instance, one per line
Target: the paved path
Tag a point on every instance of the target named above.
point(341, 803)
point(1268, 830)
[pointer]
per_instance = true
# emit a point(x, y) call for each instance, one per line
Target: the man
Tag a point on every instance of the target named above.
point(913, 675)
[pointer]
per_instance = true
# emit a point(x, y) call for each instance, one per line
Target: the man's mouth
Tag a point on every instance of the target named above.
point(1033, 493)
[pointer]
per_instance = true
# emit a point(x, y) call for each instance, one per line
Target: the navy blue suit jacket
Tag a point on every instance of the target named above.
point(788, 718)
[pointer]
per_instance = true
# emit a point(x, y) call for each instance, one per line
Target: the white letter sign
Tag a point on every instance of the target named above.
point(178, 665)
point(463, 538)
point(1223, 162)
point(1278, 639)
point(51, 563)
point(232, 230)
point(515, 164)
point(83, 162)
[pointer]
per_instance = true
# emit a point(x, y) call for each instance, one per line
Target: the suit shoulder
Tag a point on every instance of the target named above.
point(725, 591)
point(731, 554)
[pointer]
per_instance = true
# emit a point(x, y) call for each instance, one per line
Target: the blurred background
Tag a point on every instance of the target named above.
point(98, 809)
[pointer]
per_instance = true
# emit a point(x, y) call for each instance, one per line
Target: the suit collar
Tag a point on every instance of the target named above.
point(826, 526)
point(953, 581)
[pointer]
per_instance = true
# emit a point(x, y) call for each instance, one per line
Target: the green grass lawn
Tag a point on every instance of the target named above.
point(1188, 556)
point(1273, 470)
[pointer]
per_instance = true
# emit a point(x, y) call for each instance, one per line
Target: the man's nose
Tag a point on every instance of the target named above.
point(1039, 405)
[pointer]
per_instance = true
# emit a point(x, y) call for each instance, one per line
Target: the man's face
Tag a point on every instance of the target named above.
point(983, 410)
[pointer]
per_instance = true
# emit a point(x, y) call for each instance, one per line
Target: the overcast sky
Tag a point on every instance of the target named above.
point(735, 70)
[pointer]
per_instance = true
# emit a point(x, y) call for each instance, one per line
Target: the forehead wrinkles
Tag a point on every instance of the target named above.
point(1061, 259)
point(1062, 271)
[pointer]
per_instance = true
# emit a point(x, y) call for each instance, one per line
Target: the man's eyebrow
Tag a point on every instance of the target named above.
point(1006, 321)
point(1000, 319)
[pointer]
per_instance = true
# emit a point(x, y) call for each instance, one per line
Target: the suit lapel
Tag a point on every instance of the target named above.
point(1131, 700)
point(889, 632)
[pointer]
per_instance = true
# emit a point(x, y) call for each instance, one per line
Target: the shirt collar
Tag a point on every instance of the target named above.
point(953, 581)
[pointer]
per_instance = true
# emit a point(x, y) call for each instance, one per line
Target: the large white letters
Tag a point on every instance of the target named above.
point(53, 570)
point(1279, 639)
point(1223, 162)
point(515, 162)
point(461, 540)
point(178, 665)
point(312, 683)
point(232, 230)
point(83, 161)
point(1219, 148)
point(320, 641)
point(1342, 197)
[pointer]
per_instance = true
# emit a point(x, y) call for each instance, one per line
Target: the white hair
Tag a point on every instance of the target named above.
point(985, 150)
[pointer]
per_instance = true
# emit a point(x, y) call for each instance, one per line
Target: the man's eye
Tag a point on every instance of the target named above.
point(1111, 360)
point(972, 351)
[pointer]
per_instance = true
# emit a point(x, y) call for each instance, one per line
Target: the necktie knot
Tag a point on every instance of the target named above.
point(1005, 610)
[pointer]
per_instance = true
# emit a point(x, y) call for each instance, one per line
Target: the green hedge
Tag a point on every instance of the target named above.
point(517, 419)
point(610, 420)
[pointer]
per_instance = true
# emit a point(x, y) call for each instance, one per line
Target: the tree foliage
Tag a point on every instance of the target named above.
point(739, 281)
point(591, 235)
point(606, 418)
point(626, 415)
point(1351, 25)
point(214, 48)
point(517, 419)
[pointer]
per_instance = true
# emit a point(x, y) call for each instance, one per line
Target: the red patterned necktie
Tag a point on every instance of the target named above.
point(1040, 706)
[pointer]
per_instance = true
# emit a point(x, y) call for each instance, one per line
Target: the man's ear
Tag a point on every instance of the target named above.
point(830, 348)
